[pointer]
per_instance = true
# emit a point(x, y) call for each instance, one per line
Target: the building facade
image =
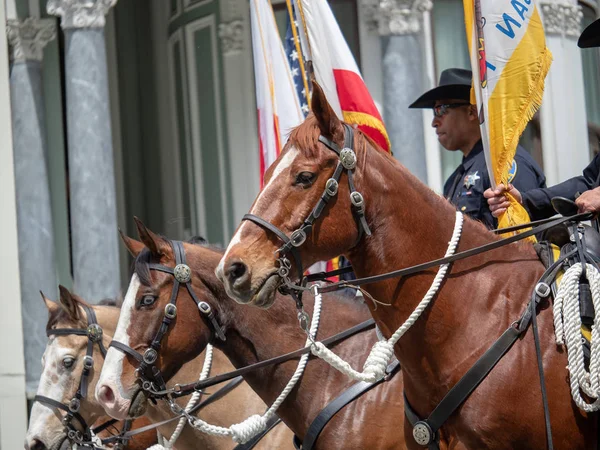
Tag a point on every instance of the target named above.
point(146, 108)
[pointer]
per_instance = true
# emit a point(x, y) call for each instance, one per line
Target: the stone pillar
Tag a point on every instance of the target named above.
point(37, 261)
point(93, 207)
point(563, 117)
point(399, 23)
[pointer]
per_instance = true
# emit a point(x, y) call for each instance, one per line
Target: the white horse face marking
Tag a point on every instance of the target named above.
point(62, 364)
point(283, 164)
point(112, 370)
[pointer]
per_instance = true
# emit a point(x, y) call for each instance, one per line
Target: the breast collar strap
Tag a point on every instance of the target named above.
point(94, 334)
point(148, 373)
point(291, 244)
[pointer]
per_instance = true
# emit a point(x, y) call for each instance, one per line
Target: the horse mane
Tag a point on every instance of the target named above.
point(306, 137)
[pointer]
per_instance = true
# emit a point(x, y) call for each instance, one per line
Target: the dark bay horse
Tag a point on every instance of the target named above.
point(410, 224)
point(375, 420)
point(63, 360)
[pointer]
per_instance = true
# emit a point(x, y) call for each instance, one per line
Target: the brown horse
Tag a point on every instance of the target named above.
point(62, 371)
point(375, 420)
point(410, 224)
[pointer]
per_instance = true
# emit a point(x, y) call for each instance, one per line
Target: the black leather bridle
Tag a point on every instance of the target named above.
point(291, 244)
point(94, 334)
point(147, 372)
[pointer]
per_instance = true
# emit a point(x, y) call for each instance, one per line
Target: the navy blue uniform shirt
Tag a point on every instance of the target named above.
point(465, 187)
point(537, 201)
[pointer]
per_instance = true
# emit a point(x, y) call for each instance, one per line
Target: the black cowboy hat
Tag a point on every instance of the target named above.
point(590, 36)
point(454, 84)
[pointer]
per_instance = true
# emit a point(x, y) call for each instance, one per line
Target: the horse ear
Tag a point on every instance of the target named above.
point(52, 306)
point(134, 247)
point(68, 303)
point(156, 244)
point(329, 123)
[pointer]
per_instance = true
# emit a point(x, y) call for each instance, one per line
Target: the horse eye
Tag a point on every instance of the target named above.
point(305, 179)
point(147, 300)
point(68, 362)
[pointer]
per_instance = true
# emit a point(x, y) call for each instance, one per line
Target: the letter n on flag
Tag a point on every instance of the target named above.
point(510, 61)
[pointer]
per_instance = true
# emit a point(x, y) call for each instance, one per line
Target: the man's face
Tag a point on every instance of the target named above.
point(457, 124)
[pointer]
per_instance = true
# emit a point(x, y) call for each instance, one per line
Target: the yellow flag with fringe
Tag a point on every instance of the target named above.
point(509, 60)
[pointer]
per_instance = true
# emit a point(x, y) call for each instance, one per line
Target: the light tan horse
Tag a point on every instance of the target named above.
point(63, 364)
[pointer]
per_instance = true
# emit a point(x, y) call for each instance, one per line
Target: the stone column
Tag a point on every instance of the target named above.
point(563, 117)
point(37, 262)
point(91, 169)
point(399, 23)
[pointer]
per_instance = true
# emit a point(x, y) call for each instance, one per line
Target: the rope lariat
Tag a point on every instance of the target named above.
point(382, 352)
point(567, 326)
point(170, 443)
point(244, 431)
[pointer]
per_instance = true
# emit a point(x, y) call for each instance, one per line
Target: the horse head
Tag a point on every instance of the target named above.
point(158, 321)
point(316, 151)
point(66, 361)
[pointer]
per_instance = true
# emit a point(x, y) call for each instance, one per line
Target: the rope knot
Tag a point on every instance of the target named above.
point(378, 360)
point(244, 431)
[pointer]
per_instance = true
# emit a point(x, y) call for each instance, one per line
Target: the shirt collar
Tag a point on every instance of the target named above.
point(468, 160)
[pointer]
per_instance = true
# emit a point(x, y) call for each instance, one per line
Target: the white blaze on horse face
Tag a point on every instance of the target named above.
point(113, 365)
point(57, 383)
point(283, 164)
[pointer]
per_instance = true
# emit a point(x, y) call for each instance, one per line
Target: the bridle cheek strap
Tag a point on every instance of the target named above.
point(94, 334)
point(291, 244)
point(149, 374)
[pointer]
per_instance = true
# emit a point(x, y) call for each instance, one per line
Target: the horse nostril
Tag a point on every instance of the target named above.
point(236, 271)
point(36, 444)
point(106, 396)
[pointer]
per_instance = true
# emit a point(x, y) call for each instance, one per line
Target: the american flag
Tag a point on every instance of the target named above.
point(292, 52)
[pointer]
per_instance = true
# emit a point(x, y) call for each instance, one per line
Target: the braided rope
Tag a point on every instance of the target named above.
point(567, 327)
point(244, 431)
point(162, 445)
point(382, 352)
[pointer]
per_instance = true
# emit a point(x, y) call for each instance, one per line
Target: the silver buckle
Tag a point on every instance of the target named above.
point(74, 405)
point(170, 311)
point(88, 362)
point(331, 187)
point(348, 158)
point(422, 433)
point(204, 308)
point(94, 332)
point(298, 237)
point(542, 289)
point(182, 273)
point(150, 356)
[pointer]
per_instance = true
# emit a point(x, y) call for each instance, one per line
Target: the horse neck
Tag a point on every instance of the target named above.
point(411, 225)
point(256, 335)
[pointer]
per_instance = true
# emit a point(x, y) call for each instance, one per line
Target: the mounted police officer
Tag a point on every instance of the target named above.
point(537, 201)
point(457, 126)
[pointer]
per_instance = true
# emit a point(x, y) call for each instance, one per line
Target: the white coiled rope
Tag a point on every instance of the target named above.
point(162, 445)
point(244, 431)
point(382, 352)
point(567, 326)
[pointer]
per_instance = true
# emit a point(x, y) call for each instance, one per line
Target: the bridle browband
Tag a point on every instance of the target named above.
point(94, 334)
point(291, 244)
point(147, 372)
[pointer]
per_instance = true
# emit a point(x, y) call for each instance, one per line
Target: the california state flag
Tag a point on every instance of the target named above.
point(276, 100)
point(337, 72)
